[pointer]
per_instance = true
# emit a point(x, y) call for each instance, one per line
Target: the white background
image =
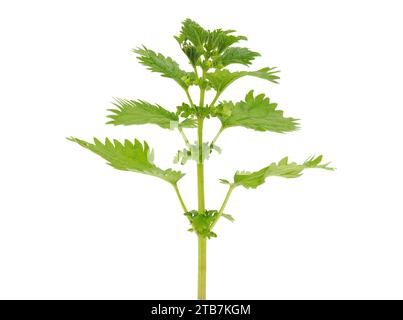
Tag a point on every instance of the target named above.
point(72, 227)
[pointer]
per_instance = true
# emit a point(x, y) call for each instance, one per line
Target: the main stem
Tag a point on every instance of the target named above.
point(201, 276)
point(202, 241)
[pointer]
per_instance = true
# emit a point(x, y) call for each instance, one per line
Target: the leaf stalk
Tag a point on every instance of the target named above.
point(224, 204)
point(180, 197)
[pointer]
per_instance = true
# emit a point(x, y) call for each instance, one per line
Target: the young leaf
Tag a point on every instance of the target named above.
point(236, 55)
point(221, 79)
point(202, 222)
point(197, 42)
point(280, 169)
point(218, 40)
point(129, 156)
point(130, 112)
point(168, 68)
point(192, 53)
point(191, 40)
point(224, 181)
point(188, 123)
point(206, 41)
point(193, 32)
point(228, 217)
point(256, 113)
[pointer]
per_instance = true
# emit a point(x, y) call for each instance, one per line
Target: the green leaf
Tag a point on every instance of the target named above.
point(196, 42)
point(218, 40)
point(168, 68)
point(236, 55)
point(256, 113)
point(228, 217)
point(224, 181)
point(221, 79)
point(192, 53)
point(202, 222)
point(211, 234)
point(188, 123)
point(191, 40)
point(206, 40)
point(129, 112)
point(130, 156)
point(280, 169)
point(193, 32)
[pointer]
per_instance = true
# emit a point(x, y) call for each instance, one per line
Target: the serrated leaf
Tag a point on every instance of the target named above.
point(196, 42)
point(237, 55)
point(191, 40)
point(128, 156)
point(192, 53)
point(168, 68)
point(136, 112)
point(207, 40)
point(193, 32)
point(218, 40)
point(256, 113)
point(280, 169)
point(219, 80)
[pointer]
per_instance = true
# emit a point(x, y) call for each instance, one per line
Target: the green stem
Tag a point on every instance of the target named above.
point(180, 197)
point(224, 204)
point(184, 137)
point(216, 136)
point(195, 70)
point(189, 98)
point(202, 241)
point(202, 90)
point(200, 168)
point(200, 188)
point(201, 103)
point(217, 95)
point(201, 276)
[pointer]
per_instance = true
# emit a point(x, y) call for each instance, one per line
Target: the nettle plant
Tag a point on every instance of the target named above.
point(209, 52)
